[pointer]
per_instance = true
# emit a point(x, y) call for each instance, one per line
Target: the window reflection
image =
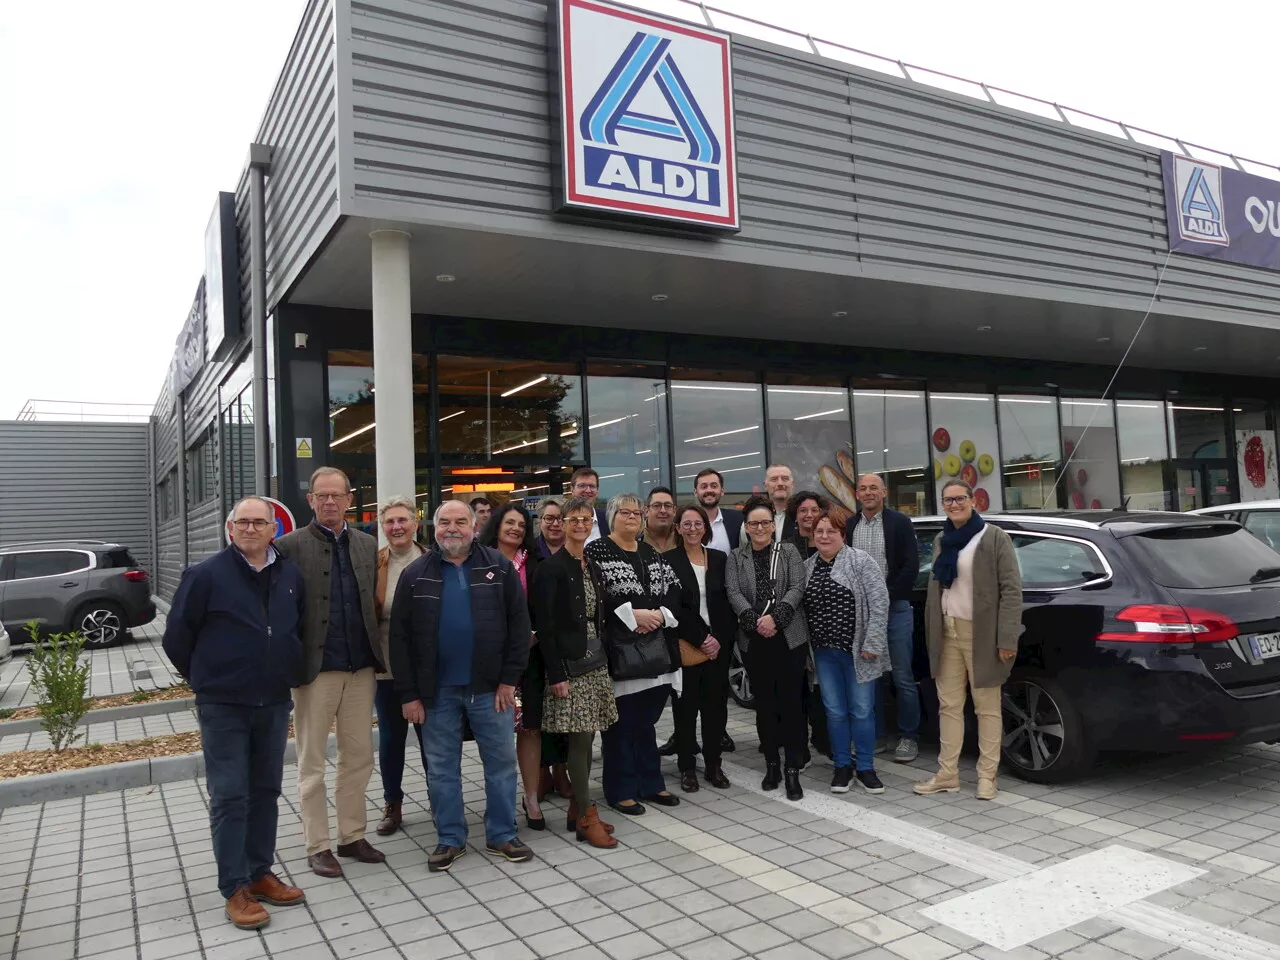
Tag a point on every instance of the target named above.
point(809, 431)
point(628, 428)
point(1144, 454)
point(1029, 442)
point(890, 435)
point(352, 429)
point(965, 445)
point(718, 420)
point(1198, 428)
point(1089, 448)
point(509, 408)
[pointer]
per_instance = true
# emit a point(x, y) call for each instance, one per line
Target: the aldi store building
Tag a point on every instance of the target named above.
point(502, 239)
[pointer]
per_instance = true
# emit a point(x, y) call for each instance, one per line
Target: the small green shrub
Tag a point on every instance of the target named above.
point(140, 696)
point(6, 713)
point(59, 674)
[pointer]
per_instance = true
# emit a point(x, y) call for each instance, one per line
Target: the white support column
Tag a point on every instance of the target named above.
point(392, 363)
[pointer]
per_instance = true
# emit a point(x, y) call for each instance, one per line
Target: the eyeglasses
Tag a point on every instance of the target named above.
point(330, 497)
point(759, 524)
point(662, 506)
point(629, 514)
point(693, 525)
point(259, 525)
point(954, 501)
point(580, 521)
point(553, 521)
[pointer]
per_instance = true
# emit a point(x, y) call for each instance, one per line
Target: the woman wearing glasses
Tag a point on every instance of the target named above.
point(637, 593)
point(550, 527)
point(579, 700)
point(973, 619)
point(707, 632)
point(765, 583)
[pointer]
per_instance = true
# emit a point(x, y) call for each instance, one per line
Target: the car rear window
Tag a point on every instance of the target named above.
point(120, 558)
point(1201, 557)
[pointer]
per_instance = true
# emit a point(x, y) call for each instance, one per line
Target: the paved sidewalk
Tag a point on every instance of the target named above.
point(724, 875)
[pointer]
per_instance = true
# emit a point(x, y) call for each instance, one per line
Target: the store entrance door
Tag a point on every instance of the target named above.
point(1203, 483)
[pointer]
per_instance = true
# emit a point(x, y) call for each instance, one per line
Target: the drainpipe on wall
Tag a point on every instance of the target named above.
point(259, 165)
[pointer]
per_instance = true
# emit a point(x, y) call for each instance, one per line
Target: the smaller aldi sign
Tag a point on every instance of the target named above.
point(646, 116)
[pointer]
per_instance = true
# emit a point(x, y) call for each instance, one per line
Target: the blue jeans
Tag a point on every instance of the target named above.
point(393, 728)
point(495, 735)
point(629, 748)
point(850, 707)
point(902, 650)
point(243, 765)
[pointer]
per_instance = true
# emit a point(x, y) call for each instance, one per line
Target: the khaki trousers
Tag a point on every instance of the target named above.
point(348, 699)
point(955, 674)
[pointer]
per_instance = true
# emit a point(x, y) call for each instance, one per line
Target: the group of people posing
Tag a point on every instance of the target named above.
point(534, 633)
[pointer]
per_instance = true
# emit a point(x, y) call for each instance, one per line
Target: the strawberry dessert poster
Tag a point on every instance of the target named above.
point(1256, 458)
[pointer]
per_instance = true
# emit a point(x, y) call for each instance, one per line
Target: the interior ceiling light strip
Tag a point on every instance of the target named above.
point(355, 433)
point(723, 433)
point(524, 386)
point(736, 456)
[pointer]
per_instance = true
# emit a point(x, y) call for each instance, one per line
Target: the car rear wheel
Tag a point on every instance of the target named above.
point(739, 682)
point(1044, 737)
point(101, 623)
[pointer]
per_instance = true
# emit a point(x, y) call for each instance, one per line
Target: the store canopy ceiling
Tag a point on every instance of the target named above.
point(514, 277)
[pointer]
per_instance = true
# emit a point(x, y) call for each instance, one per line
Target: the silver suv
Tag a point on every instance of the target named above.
point(89, 586)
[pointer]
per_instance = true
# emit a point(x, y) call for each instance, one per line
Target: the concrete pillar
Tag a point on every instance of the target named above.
point(392, 363)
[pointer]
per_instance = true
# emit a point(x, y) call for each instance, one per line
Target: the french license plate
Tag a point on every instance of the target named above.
point(1265, 645)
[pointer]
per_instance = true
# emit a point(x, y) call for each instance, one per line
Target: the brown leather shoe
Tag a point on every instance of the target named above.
point(560, 777)
point(245, 912)
point(689, 781)
point(714, 775)
point(592, 829)
point(324, 864)
point(269, 888)
point(391, 819)
point(361, 850)
point(571, 821)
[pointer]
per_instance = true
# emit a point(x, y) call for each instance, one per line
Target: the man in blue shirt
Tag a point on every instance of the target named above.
point(459, 644)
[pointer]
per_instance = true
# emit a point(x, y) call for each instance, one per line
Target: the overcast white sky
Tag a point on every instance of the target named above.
point(123, 120)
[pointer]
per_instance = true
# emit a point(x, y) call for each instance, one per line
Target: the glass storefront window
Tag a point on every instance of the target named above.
point(1089, 448)
point(1030, 443)
point(809, 430)
point(719, 423)
point(351, 424)
point(1198, 428)
point(1255, 450)
point(627, 433)
point(890, 432)
point(491, 409)
point(965, 445)
point(1144, 453)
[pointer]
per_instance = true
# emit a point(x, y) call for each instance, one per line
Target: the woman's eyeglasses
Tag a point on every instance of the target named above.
point(580, 521)
point(693, 525)
point(954, 501)
point(553, 521)
point(759, 524)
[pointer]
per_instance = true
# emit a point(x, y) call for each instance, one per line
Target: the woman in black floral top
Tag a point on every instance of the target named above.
point(639, 588)
point(765, 582)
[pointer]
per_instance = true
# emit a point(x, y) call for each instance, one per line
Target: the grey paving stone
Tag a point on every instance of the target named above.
point(836, 944)
point(713, 948)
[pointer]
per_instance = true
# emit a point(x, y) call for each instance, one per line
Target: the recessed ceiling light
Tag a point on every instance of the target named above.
point(840, 313)
point(1104, 339)
point(445, 277)
point(984, 328)
point(1200, 349)
point(659, 297)
point(1051, 386)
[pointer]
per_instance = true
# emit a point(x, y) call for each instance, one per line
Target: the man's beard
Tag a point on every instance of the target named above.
point(709, 500)
point(453, 547)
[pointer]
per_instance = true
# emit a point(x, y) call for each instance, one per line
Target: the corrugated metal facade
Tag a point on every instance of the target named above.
point(76, 480)
point(840, 169)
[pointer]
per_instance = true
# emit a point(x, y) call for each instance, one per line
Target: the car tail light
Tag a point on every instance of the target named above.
point(136, 576)
point(1170, 623)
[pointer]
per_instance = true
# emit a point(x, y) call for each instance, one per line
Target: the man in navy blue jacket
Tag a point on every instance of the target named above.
point(233, 635)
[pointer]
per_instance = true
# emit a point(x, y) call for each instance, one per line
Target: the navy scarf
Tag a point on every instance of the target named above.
point(955, 539)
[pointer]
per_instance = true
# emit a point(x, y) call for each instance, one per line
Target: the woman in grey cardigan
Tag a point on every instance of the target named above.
point(765, 583)
point(846, 606)
point(973, 619)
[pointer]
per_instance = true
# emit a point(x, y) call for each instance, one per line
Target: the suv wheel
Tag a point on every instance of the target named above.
point(1044, 737)
point(102, 624)
point(739, 682)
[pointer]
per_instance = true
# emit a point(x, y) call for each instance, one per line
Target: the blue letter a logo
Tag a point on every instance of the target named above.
point(646, 58)
point(1198, 200)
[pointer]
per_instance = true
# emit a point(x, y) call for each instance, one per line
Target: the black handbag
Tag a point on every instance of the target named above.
point(633, 655)
point(594, 658)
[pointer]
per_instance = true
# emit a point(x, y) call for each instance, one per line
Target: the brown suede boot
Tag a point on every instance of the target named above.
point(571, 821)
point(594, 830)
point(246, 912)
point(390, 821)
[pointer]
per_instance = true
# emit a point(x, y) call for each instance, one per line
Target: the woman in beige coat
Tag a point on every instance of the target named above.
point(973, 619)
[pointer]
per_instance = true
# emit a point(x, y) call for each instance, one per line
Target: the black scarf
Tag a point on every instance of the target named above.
point(954, 539)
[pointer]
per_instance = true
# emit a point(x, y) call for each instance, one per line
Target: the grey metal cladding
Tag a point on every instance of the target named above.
point(169, 550)
point(840, 169)
point(76, 480)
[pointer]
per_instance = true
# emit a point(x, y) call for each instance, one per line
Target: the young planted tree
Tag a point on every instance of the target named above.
point(60, 676)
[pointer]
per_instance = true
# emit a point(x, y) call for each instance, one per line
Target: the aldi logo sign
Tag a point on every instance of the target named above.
point(646, 116)
point(1221, 212)
point(1200, 210)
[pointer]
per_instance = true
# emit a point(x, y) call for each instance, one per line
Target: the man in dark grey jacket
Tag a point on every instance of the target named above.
point(340, 655)
point(459, 644)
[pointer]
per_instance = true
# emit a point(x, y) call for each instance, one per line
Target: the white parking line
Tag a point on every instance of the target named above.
point(1207, 939)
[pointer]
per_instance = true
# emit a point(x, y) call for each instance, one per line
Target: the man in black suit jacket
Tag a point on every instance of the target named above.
point(890, 538)
point(726, 525)
point(779, 484)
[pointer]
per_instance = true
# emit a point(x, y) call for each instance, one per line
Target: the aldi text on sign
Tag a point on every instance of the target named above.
point(1221, 212)
point(647, 116)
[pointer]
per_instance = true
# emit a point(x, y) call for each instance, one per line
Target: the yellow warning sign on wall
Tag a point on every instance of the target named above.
point(304, 448)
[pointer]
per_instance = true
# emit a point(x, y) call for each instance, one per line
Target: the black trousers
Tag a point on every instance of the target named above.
point(777, 675)
point(706, 692)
